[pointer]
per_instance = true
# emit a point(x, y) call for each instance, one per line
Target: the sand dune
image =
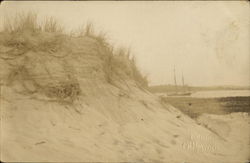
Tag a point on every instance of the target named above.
point(57, 105)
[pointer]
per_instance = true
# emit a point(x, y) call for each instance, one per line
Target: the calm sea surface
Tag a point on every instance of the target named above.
point(221, 93)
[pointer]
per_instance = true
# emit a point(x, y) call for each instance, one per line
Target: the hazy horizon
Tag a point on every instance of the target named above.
point(206, 41)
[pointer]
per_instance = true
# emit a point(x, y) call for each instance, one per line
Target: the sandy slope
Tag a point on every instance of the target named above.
point(109, 122)
point(113, 128)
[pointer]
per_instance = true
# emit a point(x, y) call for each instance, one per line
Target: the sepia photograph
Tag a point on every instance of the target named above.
point(125, 81)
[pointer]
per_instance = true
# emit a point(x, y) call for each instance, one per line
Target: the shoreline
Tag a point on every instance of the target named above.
point(194, 106)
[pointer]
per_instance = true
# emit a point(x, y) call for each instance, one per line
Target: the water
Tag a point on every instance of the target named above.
point(220, 93)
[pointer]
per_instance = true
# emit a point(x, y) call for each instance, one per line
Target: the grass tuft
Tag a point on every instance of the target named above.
point(120, 65)
point(28, 22)
point(51, 25)
point(21, 22)
point(89, 29)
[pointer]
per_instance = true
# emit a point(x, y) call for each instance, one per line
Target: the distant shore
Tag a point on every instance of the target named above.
point(173, 88)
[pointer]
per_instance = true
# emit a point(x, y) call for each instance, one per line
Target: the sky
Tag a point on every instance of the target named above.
point(208, 42)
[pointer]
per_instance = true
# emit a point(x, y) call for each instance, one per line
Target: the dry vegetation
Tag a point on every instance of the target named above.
point(24, 34)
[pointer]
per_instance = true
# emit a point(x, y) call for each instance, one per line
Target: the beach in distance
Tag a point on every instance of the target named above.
point(211, 101)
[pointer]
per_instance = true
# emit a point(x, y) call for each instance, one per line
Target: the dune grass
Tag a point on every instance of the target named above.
point(28, 22)
point(25, 33)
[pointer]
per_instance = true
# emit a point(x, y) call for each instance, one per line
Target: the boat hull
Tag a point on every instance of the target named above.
point(180, 94)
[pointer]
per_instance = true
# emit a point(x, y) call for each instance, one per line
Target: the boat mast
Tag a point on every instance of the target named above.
point(183, 84)
point(175, 80)
point(183, 80)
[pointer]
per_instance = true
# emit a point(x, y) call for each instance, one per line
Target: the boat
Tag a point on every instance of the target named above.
point(183, 92)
